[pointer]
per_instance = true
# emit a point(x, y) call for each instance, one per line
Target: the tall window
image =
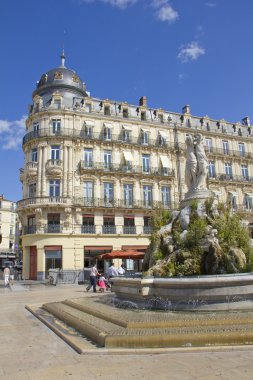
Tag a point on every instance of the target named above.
point(108, 192)
point(144, 137)
point(162, 138)
point(125, 112)
point(88, 157)
point(146, 163)
point(209, 145)
point(126, 134)
point(211, 169)
point(147, 195)
point(55, 152)
point(32, 190)
point(88, 191)
point(232, 200)
point(228, 169)
point(225, 147)
point(107, 110)
point(245, 171)
point(107, 159)
point(87, 107)
point(166, 200)
point(34, 155)
point(57, 103)
point(56, 124)
point(88, 130)
point(54, 188)
point(128, 194)
point(36, 128)
point(107, 133)
point(241, 147)
point(248, 204)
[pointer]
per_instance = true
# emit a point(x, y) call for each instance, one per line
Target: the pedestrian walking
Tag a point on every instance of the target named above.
point(6, 276)
point(12, 271)
point(93, 278)
point(101, 283)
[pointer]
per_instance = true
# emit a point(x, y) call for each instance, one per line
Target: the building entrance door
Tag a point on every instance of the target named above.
point(33, 263)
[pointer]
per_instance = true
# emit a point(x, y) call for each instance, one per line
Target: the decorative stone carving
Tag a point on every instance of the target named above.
point(58, 75)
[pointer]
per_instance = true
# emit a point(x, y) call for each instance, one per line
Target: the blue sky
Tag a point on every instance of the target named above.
point(176, 52)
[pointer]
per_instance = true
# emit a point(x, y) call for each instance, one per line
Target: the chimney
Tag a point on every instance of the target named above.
point(143, 101)
point(246, 121)
point(186, 109)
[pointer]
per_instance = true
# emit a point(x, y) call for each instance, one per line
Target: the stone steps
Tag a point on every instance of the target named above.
point(109, 327)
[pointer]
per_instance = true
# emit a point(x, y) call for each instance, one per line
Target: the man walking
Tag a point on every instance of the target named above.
point(93, 278)
point(6, 276)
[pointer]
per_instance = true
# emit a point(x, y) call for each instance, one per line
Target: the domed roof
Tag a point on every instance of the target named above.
point(60, 78)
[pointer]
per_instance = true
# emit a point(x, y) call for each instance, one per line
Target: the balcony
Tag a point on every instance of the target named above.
point(54, 167)
point(147, 230)
point(227, 152)
point(21, 175)
point(231, 178)
point(29, 230)
point(96, 136)
point(53, 228)
point(109, 230)
point(88, 229)
point(32, 169)
point(125, 169)
point(129, 230)
point(44, 201)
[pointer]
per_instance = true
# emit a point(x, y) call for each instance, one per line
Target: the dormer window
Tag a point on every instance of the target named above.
point(56, 124)
point(160, 118)
point(58, 75)
point(57, 103)
point(143, 115)
point(125, 112)
point(88, 107)
point(107, 110)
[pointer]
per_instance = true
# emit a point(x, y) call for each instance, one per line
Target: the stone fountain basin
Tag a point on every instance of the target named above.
point(203, 293)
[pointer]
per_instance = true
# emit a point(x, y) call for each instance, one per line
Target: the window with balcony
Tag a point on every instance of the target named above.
point(162, 138)
point(107, 159)
point(31, 224)
point(209, 145)
point(88, 129)
point(107, 132)
point(228, 169)
point(211, 169)
point(146, 163)
point(34, 155)
point(232, 196)
point(147, 196)
point(126, 133)
point(144, 137)
point(55, 152)
point(88, 193)
point(128, 194)
point(166, 197)
point(109, 225)
point(36, 128)
point(88, 157)
point(88, 226)
point(241, 147)
point(53, 223)
point(247, 201)
point(56, 126)
point(108, 193)
point(147, 228)
point(32, 190)
point(245, 171)
point(225, 147)
point(54, 188)
point(129, 226)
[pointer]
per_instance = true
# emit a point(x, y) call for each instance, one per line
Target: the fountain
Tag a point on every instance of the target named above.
point(194, 295)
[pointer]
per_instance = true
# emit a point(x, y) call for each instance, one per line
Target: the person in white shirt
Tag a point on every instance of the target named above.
point(112, 272)
point(93, 278)
point(121, 270)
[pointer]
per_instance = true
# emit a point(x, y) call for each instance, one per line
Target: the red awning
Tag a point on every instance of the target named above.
point(118, 254)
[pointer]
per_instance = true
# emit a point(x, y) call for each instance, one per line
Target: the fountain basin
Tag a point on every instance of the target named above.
point(203, 293)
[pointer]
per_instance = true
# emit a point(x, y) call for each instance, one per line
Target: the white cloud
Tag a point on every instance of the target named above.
point(115, 3)
point(190, 52)
point(210, 4)
point(167, 13)
point(11, 133)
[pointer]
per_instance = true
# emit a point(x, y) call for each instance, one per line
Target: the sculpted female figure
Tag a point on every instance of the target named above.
point(202, 163)
point(191, 163)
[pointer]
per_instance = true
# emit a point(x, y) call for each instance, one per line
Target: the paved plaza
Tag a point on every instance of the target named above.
point(29, 350)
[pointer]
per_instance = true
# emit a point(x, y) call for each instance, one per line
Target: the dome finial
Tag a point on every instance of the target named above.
point(62, 58)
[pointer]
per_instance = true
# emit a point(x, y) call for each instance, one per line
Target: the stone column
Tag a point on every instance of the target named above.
point(65, 171)
point(43, 172)
point(70, 170)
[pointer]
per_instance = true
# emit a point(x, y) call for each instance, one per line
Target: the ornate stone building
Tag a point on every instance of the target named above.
point(8, 223)
point(95, 169)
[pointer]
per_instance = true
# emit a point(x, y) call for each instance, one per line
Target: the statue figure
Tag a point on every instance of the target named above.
point(191, 163)
point(202, 163)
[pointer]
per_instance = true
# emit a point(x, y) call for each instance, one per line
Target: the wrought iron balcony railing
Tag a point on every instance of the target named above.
point(29, 230)
point(129, 230)
point(53, 228)
point(131, 169)
point(88, 229)
point(109, 229)
point(231, 177)
point(147, 230)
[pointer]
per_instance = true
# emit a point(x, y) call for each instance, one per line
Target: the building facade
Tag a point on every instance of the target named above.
point(96, 169)
point(8, 229)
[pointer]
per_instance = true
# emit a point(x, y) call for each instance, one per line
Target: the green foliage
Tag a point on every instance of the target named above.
point(196, 232)
point(160, 219)
point(208, 206)
point(158, 255)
